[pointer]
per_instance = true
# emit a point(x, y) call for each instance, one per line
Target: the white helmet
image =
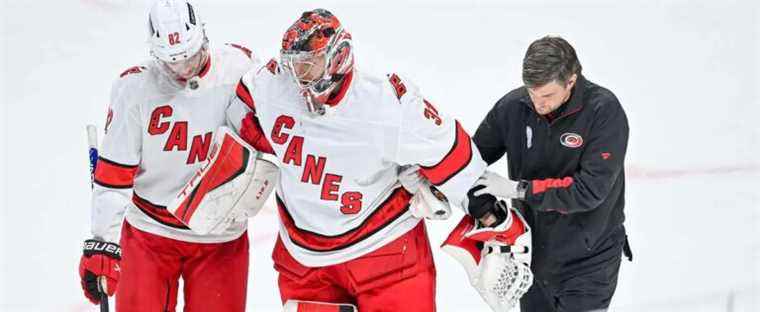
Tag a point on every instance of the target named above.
point(176, 34)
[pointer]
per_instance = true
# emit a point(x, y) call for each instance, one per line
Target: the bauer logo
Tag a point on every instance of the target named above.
point(571, 140)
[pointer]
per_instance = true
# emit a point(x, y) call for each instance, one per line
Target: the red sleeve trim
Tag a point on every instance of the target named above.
point(245, 95)
point(395, 206)
point(457, 159)
point(540, 186)
point(245, 50)
point(132, 70)
point(251, 132)
point(114, 175)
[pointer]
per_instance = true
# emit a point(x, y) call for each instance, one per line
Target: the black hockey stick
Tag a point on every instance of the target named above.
point(92, 142)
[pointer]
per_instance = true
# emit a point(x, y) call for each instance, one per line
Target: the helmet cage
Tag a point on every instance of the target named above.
point(185, 68)
point(338, 54)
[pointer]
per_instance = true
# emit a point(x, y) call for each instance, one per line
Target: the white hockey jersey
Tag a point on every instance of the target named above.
point(157, 135)
point(339, 196)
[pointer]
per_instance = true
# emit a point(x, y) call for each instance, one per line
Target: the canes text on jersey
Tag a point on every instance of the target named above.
point(313, 167)
point(177, 139)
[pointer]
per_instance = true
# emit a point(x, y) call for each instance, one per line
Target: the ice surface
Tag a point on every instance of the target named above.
point(685, 71)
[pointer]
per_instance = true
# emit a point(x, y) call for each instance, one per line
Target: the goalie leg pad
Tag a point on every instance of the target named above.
point(234, 183)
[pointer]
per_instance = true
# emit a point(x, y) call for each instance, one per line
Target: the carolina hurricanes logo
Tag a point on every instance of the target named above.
point(571, 140)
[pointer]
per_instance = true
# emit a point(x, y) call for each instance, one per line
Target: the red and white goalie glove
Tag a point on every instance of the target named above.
point(496, 259)
point(428, 202)
point(233, 184)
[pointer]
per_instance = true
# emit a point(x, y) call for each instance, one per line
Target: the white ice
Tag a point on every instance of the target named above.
point(685, 71)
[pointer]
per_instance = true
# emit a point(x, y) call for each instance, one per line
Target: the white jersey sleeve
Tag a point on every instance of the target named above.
point(241, 102)
point(119, 157)
point(437, 143)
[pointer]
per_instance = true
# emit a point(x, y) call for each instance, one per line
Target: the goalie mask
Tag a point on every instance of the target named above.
point(317, 52)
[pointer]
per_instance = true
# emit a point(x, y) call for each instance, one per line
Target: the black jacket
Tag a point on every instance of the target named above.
point(574, 165)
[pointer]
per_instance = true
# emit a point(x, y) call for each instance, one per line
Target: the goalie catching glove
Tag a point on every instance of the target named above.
point(233, 184)
point(497, 258)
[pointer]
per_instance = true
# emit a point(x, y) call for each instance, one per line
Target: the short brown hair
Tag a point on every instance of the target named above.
point(549, 59)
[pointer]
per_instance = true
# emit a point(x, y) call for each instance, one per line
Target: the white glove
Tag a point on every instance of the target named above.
point(428, 202)
point(498, 186)
point(410, 178)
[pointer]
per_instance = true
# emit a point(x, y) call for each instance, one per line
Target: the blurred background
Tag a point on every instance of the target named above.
point(686, 73)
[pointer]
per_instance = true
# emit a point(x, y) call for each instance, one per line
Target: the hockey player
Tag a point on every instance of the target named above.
point(342, 137)
point(160, 125)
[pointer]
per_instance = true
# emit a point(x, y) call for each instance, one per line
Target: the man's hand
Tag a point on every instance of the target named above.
point(499, 186)
point(427, 201)
point(410, 178)
point(100, 260)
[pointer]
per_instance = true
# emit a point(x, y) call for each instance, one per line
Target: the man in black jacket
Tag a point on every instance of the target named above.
point(565, 138)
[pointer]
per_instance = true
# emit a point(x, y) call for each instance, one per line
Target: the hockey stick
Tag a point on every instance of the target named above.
point(92, 142)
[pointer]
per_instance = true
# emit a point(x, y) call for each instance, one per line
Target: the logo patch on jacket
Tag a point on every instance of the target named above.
point(571, 140)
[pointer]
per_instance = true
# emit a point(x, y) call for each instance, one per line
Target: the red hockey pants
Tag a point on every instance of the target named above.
point(399, 276)
point(214, 275)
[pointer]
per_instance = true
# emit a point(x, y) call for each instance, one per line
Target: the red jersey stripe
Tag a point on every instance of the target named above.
point(540, 186)
point(114, 175)
point(245, 95)
point(157, 213)
point(457, 159)
point(391, 209)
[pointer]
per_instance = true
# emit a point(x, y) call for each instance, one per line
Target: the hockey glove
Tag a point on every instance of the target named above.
point(499, 186)
point(100, 261)
point(428, 202)
point(496, 259)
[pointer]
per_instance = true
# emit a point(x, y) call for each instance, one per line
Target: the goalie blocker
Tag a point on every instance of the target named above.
point(234, 183)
